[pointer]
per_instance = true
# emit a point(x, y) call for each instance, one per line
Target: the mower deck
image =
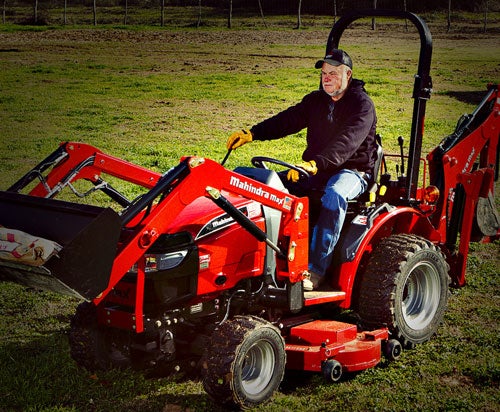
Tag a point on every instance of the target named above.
point(311, 345)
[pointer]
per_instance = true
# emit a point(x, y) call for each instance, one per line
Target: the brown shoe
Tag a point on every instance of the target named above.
point(311, 281)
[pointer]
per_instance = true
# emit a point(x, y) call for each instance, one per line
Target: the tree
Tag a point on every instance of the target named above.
point(406, 20)
point(262, 13)
point(230, 16)
point(3, 11)
point(373, 19)
point(162, 17)
point(198, 23)
point(299, 20)
point(125, 18)
point(485, 3)
point(94, 11)
point(448, 27)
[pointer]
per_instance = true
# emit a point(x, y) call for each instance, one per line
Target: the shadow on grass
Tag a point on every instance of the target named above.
point(474, 97)
point(39, 374)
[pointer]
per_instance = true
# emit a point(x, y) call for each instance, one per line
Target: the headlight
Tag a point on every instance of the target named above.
point(163, 261)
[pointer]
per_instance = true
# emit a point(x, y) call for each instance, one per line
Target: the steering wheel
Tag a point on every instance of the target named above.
point(259, 161)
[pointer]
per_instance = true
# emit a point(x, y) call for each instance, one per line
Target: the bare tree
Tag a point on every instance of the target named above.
point(448, 26)
point(406, 20)
point(198, 23)
point(162, 12)
point(230, 15)
point(299, 20)
point(373, 18)
point(485, 3)
point(262, 13)
point(125, 17)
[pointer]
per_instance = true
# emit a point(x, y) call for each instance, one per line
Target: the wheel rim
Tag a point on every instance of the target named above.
point(258, 367)
point(421, 296)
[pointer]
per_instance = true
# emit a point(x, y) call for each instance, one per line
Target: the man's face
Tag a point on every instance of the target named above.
point(335, 79)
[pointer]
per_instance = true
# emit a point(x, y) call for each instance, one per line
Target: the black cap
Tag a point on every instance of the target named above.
point(335, 57)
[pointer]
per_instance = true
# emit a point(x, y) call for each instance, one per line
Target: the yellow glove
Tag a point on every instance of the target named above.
point(309, 167)
point(238, 139)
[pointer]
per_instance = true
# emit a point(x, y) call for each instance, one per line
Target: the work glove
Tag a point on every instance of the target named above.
point(238, 139)
point(309, 167)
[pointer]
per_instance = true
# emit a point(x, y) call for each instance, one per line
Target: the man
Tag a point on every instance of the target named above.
point(340, 154)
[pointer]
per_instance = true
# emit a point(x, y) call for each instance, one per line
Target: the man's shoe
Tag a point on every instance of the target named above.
point(311, 281)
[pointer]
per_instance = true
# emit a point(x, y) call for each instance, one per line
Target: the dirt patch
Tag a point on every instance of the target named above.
point(360, 35)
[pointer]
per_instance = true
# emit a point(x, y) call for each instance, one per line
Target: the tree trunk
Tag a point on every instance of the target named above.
point(94, 10)
point(448, 26)
point(230, 15)
point(125, 18)
point(373, 19)
point(162, 12)
point(35, 12)
point(262, 13)
point(65, 13)
point(485, 15)
point(3, 11)
point(334, 11)
point(406, 20)
point(299, 19)
point(198, 23)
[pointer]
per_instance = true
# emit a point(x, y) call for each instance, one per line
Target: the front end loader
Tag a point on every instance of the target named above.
point(201, 268)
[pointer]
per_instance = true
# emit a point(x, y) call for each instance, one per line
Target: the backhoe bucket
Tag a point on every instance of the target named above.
point(88, 236)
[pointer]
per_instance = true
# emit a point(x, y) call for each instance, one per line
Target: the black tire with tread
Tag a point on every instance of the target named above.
point(92, 347)
point(384, 287)
point(225, 358)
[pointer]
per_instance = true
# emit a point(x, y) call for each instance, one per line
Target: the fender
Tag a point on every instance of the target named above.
point(367, 231)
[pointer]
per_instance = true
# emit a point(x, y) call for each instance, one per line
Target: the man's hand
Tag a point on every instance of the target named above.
point(309, 167)
point(238, 139)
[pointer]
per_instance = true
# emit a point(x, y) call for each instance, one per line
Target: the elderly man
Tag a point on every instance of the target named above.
point(340, 153)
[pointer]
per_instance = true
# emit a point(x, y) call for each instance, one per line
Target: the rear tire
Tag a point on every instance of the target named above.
point(405, 288)
point(244, 363)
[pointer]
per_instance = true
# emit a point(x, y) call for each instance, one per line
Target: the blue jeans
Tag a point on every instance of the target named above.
point(341, 187)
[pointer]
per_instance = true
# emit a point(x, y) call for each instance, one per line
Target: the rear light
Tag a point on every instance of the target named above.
point(431, 195)
point(163, 261)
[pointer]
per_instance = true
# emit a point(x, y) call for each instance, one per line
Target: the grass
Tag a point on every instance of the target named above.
point(152, 96)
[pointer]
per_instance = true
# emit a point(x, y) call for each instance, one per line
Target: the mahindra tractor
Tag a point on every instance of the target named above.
point(202, 268)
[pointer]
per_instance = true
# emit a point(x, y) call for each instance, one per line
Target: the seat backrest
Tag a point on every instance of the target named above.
point(378, 162)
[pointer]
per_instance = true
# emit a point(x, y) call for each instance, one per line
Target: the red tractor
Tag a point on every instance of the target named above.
point(203, 269)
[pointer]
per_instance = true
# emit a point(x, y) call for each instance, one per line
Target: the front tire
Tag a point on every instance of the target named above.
point(96, 348)
point(405, 288)
point(244, 363)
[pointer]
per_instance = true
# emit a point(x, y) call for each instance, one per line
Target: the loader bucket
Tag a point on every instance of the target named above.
point(88, 236)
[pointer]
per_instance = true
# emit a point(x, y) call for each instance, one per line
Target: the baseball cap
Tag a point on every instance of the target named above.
point(335, 57)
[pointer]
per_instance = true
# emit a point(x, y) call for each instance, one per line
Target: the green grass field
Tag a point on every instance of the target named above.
point(153, 95)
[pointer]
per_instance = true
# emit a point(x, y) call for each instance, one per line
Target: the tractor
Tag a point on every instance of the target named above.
point(202, 270)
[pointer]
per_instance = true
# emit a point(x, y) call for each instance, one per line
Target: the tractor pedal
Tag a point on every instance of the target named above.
point(319, 297)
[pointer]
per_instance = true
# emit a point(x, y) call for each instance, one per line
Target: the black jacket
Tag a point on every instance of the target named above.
point(340, 135)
